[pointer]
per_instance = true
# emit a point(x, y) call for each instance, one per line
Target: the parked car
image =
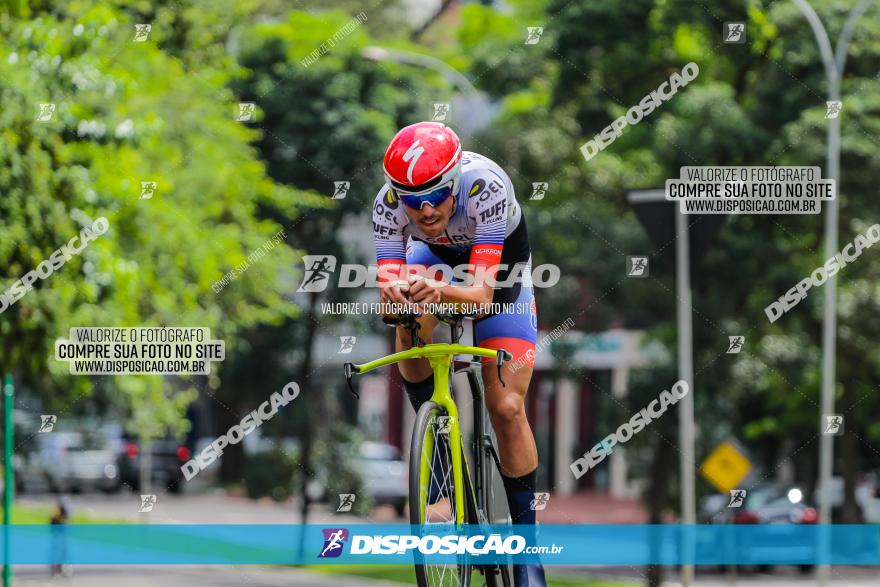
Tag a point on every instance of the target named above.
point(68, 462)
point(770, 504)
point(91, 464)
point(866, 496)
point(166, 457)
point(384, 474)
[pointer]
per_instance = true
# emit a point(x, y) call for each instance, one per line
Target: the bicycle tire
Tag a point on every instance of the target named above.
point(425, 424)
point(505, 576)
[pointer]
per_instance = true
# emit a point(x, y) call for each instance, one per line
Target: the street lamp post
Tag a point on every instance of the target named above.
point(477, 110)
point(834, 63)
point(685, 335)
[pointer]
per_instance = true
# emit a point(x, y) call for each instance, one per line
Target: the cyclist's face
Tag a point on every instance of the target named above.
point(432, 221)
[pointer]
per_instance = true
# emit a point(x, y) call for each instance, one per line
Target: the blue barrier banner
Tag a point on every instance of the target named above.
point(575, 544)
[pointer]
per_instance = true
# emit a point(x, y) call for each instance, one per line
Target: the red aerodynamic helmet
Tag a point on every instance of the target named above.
point(423, 163)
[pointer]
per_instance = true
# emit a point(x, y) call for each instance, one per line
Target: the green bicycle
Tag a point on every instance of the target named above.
point(441, 488)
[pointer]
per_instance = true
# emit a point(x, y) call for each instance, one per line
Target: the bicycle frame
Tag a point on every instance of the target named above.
point(440, 356)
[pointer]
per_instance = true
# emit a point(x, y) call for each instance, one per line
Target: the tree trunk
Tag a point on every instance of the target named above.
point(146, 467)
point(657, 496)
point(232, 461)
point(314, 401)
point(849, 453)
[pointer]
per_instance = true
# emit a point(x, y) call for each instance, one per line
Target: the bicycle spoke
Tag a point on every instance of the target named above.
point(441, 484)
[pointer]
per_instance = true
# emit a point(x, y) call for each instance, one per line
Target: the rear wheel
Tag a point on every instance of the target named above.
point(432, 493)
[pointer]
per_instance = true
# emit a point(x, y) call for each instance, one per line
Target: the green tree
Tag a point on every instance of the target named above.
point(126, 112)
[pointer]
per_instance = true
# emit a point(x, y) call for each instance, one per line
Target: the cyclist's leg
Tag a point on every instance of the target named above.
point(417, 374)
point(515, 332)
point(418, 377)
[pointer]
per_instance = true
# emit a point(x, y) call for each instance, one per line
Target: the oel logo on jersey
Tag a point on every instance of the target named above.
point(478, 187)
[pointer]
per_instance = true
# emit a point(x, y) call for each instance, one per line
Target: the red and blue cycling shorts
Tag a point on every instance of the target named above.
point(514, 328)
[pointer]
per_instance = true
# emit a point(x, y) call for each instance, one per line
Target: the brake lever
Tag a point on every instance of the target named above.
point(349, 369)
point(499, 362)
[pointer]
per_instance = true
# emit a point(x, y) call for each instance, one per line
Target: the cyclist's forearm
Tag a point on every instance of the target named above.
point(470, 296)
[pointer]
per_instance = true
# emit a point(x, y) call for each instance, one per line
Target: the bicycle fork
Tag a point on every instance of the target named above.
point(442, 397)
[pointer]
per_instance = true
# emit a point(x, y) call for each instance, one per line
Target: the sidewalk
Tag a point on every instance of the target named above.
point(188, 576)
point(592, 507)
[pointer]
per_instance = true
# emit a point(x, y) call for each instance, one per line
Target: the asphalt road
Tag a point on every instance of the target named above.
point(253, 576)
point(186, 576)
point(199, 509)
point(220, 509)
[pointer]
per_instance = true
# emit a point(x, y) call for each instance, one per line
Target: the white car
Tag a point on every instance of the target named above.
point(384, 474)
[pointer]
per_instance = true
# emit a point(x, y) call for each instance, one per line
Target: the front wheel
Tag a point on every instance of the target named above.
point(432, 492)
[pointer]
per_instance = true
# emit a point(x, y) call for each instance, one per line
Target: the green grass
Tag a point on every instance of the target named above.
point(405, 574)
point(42, 515)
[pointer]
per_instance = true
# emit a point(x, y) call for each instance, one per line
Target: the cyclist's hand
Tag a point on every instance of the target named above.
point(424, 291)
point(395, 292)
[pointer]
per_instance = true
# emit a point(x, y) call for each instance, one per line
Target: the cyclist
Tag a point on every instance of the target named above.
point(442, 207)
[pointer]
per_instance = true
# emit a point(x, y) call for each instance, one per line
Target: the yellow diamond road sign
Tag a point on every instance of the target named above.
point(725, 467)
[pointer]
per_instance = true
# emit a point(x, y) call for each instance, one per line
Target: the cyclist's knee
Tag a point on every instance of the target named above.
point(507, 410)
